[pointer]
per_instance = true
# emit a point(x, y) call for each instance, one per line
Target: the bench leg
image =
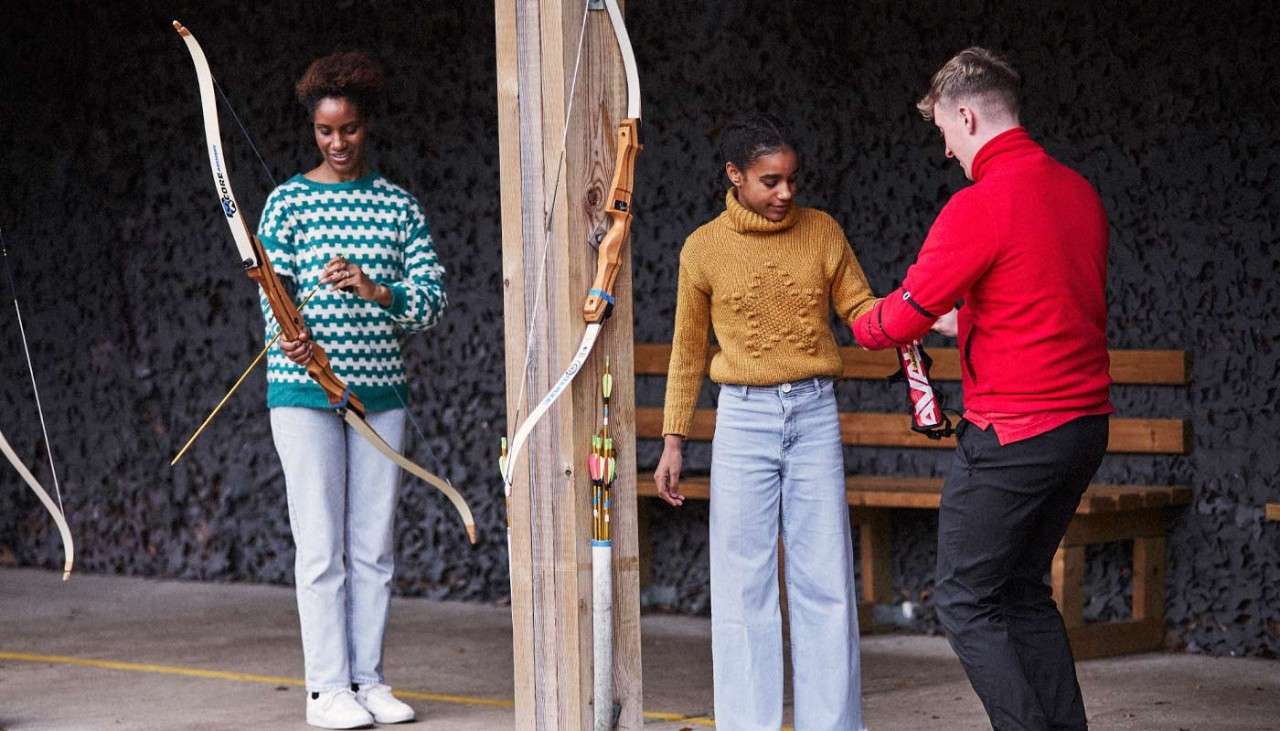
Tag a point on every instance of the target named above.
point(1144, 631)
point(1068, 584)
point(1148, 578)
point(874, 554)
point(644, 543)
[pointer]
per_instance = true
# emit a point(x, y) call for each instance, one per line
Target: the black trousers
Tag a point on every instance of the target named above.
point(1004, 511)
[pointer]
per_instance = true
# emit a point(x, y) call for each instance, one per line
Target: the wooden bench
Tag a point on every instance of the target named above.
point(1107, 513)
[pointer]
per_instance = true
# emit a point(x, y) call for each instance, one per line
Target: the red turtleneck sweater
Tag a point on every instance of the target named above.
point(1025, 246)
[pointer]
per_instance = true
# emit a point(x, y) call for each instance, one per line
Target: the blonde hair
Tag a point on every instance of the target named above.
point(973, 72)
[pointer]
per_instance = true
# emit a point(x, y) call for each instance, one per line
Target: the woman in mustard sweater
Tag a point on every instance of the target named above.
point(764, 275)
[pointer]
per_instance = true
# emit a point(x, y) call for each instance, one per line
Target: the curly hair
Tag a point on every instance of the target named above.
point(752, 135)
point(352, 75)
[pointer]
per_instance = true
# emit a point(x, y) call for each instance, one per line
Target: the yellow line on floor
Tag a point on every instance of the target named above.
point(138, 667)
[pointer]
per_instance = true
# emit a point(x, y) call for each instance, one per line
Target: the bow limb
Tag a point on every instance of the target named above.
point(526, 427)
point(258, 267)
point(68, 545)
point(363, 428)
point(253, 256)
point(213, 136)
point(628, 58)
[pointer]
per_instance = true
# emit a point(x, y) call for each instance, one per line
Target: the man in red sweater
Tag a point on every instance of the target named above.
point(1025, 248)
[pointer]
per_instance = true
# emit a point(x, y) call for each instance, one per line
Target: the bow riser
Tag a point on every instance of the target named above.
point(292, 326)
point(597, 307)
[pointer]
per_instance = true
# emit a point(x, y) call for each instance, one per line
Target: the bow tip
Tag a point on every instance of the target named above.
point(471, 533)
point(181, 28)
point(66, 572)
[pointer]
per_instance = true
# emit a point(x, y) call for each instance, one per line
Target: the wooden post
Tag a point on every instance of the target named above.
point(537, 44)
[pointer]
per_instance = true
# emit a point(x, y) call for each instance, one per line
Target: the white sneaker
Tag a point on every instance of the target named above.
point(336, 709)
point(386, 708)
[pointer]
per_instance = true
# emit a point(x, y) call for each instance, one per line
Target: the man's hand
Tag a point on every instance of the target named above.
point(667, 477)
point(946, 325)
point(298, 351)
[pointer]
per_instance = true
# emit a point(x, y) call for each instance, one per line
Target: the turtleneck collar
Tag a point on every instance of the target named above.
point(746, 221)
point(1016, 140)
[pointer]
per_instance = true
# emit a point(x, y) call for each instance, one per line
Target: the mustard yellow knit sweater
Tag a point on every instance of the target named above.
point(766, 289)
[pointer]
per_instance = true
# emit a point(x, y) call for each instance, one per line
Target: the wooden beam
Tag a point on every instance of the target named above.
point(537, 44)
point(925, 493)
point(514, 36)
point(1108, 639)
point(894, 492)
point(1273, 511)
point(879, 429)
point(1143, 367)
point(1086, 529)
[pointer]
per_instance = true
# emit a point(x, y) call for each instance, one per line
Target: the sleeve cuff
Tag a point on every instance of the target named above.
point(399, 300)
point(677, 425)
point(894, 320)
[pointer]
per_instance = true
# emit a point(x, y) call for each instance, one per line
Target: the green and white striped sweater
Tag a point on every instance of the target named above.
point(379, 226)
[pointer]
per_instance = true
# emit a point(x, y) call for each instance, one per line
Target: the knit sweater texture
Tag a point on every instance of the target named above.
point(766, 289)
point(380, 227)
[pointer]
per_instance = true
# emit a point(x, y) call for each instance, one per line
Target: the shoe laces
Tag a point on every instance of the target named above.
point(328, 699)
point(378, 689)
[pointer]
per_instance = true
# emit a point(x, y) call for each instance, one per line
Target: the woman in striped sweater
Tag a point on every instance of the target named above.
point(765, 275)
point(365, 242)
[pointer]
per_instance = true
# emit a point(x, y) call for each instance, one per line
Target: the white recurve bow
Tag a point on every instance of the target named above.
point(54, 508)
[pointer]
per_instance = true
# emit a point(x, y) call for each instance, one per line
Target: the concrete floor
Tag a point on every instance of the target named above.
point(124, 653)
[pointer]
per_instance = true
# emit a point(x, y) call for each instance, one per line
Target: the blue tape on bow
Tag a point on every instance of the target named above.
point(601, 294)
point(341, 406)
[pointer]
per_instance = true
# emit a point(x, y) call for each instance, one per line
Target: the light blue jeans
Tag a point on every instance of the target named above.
point(777, 453)
point(342, 503)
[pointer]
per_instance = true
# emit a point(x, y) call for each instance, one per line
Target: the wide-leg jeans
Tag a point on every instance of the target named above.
point(777, 459)
point(342, 500)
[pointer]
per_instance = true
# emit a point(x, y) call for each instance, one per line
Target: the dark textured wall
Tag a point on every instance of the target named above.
point(139, 318)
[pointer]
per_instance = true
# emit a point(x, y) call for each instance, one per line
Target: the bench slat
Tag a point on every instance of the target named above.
point(1128, 366)
point(873, 491)
point(877, 429)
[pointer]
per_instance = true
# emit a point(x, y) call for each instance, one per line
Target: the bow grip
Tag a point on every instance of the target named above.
point(598, 307)
point(292, 325)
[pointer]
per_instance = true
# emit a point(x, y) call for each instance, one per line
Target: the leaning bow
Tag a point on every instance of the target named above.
point(54, 507)
point(68, 546)
point(258, 266)
point(599, 302)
